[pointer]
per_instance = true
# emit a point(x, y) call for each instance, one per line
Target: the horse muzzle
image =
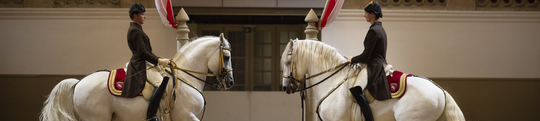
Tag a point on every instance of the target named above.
point(290, 88)
point(227, 81)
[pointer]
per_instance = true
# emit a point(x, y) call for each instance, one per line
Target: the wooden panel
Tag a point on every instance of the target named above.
point(23, 95)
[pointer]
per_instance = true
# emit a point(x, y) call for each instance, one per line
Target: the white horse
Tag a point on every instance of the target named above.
point(423, 101)
point(89, 99)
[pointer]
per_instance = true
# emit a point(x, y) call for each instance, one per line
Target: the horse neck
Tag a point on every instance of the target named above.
point(316, 94)
point(330, 60)
point(194, 57)
point(323, 88)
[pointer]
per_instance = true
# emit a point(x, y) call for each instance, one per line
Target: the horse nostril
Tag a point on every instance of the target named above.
point(231, 83)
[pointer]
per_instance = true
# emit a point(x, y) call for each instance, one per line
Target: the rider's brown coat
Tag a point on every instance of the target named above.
point(139, 44)
point(374, 56)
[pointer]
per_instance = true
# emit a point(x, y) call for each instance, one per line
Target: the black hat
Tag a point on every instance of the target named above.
point(137, 7)
point(372, 7)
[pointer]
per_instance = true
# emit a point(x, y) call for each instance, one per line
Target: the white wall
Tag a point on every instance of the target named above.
point(449, 44)
point(252, 106)
point(73, 41)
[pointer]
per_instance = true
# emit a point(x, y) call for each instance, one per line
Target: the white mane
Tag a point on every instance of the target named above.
point(194, 45)
point(317, 53)
point(200, 39)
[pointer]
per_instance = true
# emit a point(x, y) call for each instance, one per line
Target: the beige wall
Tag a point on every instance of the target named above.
point(73, 41)
point(448, 44)
point(252, 106)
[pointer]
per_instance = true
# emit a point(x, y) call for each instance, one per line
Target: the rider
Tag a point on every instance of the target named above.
point(139, 44)
point(374, 55)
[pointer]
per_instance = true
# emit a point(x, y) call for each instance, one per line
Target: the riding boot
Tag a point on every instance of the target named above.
point(361, 100)
point(155, 99)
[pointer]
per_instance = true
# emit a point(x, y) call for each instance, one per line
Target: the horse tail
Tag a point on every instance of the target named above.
point(452, 112)
point(59, 104)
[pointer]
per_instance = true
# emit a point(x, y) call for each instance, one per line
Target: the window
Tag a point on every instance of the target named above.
point(256, 53)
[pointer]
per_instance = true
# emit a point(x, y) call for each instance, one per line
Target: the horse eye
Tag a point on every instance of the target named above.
point(226, 57)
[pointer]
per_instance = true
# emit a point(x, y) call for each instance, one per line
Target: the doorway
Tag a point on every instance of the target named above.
point(256, 52)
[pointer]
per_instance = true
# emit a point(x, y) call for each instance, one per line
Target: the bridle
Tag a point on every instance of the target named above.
point(222, 72)
point(297, 82)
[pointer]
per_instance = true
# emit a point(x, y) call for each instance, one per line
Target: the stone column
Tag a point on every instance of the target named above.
point(182, 31)
point(311, 31)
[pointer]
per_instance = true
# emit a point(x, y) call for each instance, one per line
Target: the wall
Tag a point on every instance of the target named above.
point(448, 44)
point(73, 41)
point(252, 106)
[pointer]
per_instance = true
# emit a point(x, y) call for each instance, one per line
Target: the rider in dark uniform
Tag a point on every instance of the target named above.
point(374, 55)
point(139, 44)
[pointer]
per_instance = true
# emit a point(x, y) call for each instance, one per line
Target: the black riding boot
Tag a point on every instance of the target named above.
point(155, 99)
point(361, 100)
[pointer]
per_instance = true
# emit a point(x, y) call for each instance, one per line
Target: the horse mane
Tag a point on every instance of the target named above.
point(199, 40)
point(194, 41)
point(316, 52)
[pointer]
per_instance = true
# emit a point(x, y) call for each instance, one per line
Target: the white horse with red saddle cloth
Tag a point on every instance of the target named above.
point(330, 100)
point(90, 100)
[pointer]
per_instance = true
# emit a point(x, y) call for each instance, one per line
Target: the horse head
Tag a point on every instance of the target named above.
point(212, 52)
point(292, 71)
point(307, 57)
point(221, 61)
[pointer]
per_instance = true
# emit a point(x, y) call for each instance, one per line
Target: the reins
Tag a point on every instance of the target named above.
point(343, 65)
point(189, 73)
point(190, 85)
point(298, 82)
point(324, 98)
point(221, 70)
point(221, 74)
point(302, 91)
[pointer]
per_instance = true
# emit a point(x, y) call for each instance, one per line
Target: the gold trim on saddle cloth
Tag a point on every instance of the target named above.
point(395, 95)
point(112, 89)
point(111, 83)
point(402, 85)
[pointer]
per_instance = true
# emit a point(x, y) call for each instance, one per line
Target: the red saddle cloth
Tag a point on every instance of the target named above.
point(397, 83)
point(116, 81)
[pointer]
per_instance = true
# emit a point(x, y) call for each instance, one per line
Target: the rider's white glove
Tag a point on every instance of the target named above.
point(164, 62)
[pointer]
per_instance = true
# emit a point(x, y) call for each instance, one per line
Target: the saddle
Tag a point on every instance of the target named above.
point(117, 77)
point(154, 76)
point(397, 81)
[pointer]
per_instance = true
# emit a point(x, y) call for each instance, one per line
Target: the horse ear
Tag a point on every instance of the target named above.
point(221, 37)
point(291, 43)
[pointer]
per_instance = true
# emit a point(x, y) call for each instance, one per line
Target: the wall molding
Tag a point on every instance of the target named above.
point(345, 15)
point(445, 16)
point(73, 13)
